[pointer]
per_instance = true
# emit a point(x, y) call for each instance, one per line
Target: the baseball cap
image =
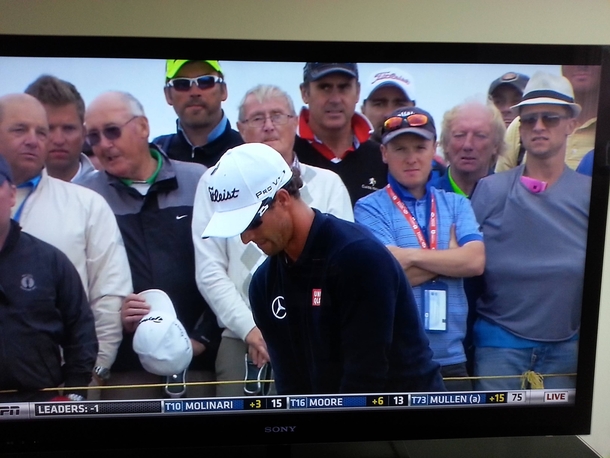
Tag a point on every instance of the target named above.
point(315, 70)
point(172, 66)
point(551, 89)
point(516, 80)
point(5, 171)
point(242, 179)
point(160, 340)
point(409, 120)
point(390, 77)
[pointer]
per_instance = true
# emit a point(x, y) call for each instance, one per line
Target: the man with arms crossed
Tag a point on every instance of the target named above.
point(432, 233)
point(534, 219)
point(333, 305)
point(225, 266)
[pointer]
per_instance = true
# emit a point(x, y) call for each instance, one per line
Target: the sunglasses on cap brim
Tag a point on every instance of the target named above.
point(399, 122)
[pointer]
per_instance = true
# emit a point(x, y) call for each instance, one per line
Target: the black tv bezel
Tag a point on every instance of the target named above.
point(349, 425)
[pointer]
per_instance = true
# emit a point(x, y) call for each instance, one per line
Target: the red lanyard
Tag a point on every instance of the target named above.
point(413, 222)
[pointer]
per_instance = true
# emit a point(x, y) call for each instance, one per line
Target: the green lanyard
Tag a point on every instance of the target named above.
point(455, 187)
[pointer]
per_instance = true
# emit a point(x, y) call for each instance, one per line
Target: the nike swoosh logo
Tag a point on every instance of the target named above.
point(181, 216)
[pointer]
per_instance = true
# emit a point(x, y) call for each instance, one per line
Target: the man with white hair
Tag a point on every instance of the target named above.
point(152, 199)
point(472, 139)
point(225, 266)
point(534, 220)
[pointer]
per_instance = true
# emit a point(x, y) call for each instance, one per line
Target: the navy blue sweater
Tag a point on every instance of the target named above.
point(342, 318)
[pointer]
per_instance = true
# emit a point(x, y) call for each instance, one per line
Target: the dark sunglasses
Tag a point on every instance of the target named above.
point(258, 218)
point(398, 122)
point(111, 133)
point(548, 119)
point(202, 82)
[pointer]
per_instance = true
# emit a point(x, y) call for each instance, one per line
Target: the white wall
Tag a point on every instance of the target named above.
point(515, 21)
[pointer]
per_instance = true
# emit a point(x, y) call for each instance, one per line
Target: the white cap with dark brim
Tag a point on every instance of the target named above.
point(392, 77)
point(241, 180)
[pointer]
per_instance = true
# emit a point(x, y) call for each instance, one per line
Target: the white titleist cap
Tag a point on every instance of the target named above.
point(238, 184)
point(390, 77)
point(160, 340)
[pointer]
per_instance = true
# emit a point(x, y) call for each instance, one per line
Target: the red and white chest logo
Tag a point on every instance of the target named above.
point(316, 297)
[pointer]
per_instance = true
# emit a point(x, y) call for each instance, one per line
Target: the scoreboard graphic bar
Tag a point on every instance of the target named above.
point(34, 410)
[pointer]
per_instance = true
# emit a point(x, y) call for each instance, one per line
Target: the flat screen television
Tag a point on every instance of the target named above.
point(444, 74)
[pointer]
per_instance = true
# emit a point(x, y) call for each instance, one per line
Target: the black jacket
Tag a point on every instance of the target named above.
point(156, 230)
point(43, 308)
point(177, 147)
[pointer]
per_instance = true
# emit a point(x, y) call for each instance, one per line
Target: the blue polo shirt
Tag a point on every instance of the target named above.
point(388, 224)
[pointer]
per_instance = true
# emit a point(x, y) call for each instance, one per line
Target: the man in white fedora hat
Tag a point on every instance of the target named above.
point(534, 220)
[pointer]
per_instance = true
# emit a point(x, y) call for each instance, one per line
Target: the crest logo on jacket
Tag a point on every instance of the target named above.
point(27, 282)
point(277, 308)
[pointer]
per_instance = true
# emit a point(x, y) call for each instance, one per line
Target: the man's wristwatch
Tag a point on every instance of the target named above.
point(102, 372)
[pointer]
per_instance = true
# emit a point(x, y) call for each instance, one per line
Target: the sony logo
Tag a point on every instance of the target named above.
point(280, 429)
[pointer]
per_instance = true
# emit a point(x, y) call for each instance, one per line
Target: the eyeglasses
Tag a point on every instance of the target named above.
point(277, 119)
point(202, 82)
point(110, 132)
point(258, 218)
point(549, 120)
point(397, 122)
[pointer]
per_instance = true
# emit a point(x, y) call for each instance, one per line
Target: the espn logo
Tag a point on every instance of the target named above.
point(9, 410)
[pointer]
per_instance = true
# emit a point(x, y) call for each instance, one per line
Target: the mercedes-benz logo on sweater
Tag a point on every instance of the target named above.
point(278, 309)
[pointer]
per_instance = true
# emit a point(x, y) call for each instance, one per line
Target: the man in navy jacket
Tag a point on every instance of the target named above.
point(334, 306)
point(43, 309)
